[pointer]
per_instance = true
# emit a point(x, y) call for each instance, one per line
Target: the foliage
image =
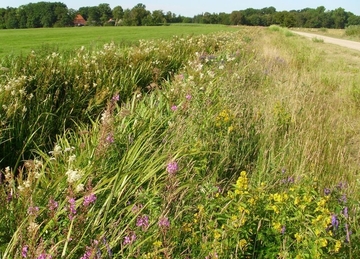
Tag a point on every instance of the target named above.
point(227, 156)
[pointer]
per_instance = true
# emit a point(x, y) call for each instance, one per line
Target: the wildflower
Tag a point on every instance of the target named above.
point(172, 167)
point(241, 184)
point(157, 244)
point(72, 208)
point(79, 188)
point(343, 198)
point(337, 246)
point(242, 244)
point(53, 205)
point(73, 175)
point(143, 222)
point(298, 237)
point(110, 138)
point(115, 98)
point(327, 191)
point(88, 199)
point(24, 251)
point(33, 210)
point(283, 229)
point(334, 221)
point(188, 97)
point(164, 222)
point(174, 108)
point(129, 239)
point(345, 212)
point(43, 256)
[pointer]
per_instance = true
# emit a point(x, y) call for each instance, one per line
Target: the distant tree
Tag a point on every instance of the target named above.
point(158, 17)
point(340, 17)
point(237, 18)
point(118, 14)
point(353, 20)
point(138, 13)
point(105, 13)
point(224, 18)
point(94, 16)
point(11, 21)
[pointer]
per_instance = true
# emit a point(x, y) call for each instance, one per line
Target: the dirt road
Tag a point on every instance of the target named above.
point(345, 43)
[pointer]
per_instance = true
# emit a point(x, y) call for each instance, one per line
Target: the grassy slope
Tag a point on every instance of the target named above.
point(26, 40)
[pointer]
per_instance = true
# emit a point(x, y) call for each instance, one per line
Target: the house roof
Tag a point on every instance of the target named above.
point(79, 20)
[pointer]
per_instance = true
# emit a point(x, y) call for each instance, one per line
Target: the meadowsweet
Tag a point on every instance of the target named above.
point(172, 167)
point(88, 199)
point(73, 175)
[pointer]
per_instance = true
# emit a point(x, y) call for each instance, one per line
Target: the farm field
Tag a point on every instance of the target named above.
point(15, 42)
point(229, 144)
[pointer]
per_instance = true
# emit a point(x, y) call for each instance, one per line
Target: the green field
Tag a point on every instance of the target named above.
point(15, 42)
point(234, 144)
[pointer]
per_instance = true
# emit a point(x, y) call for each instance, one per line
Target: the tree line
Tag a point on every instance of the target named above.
point(46, 14)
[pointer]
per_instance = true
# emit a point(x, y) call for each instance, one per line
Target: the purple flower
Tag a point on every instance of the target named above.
point(129, 239)
point(172, 167)
point(283, 229)
point(24, 251)
point(110, 138)
point(115, 98)
point(345, 212)
point(143, 222)
point(327, 191)
point(88, 199)
point(174, 108)
point(87, 254)
point(164, 222)
point(33, 210)
point(188, 97)
point(43, 256)
point(72, 208)
point(334, 221)
point(343, 198)
point(53, 205)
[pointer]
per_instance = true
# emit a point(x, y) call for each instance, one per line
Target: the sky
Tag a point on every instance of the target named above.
point(190, 8)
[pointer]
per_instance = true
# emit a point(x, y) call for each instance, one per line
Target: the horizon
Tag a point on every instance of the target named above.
point(191, 9)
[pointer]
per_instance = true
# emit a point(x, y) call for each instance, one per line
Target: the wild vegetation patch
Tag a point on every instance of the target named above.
point(232, 145)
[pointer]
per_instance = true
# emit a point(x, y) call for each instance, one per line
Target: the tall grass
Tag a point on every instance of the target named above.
point(247, 150)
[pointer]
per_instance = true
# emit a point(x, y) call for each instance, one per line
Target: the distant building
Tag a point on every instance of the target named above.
point(79, 20)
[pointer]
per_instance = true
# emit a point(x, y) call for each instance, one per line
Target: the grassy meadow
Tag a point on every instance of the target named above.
point(23, 41)
point(231, 144)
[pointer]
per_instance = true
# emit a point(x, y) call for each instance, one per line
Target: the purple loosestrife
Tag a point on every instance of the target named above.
point(143, 222)
point(129, 239)
point(172, 167)
point(72, 208)
point(24, 251)
point(33, 210)
point(164, 222)
point(89, 199)
point(53, 205)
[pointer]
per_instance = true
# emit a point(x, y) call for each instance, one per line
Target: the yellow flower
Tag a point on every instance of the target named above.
point(242, 244)
point(157, 244)
point(322, 242)
point(298, 237)
point(217, 234)
point(277, 226)
point(275, 209)
point(337, 246)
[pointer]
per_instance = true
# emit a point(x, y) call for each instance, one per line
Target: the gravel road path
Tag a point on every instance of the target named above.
point(345, 43)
